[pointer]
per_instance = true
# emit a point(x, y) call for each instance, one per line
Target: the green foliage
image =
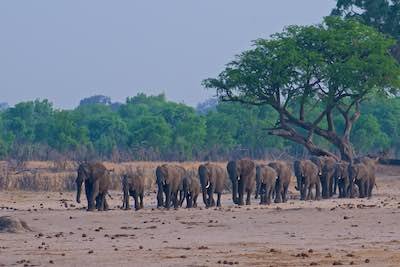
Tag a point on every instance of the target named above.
point(150, 127)
point(383, 15)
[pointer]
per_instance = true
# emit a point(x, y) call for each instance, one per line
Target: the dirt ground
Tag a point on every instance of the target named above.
point(297, 233)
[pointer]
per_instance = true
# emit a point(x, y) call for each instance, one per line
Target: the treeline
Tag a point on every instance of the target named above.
point(152, 128)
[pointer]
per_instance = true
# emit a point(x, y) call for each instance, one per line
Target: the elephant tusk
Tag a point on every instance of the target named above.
point(239, 178)
point(208, 184)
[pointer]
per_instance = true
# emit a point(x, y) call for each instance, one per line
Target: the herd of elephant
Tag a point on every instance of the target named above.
point(268, 181)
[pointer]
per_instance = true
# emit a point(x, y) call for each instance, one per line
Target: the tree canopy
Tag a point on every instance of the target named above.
point(383, 15)
point(330, 68)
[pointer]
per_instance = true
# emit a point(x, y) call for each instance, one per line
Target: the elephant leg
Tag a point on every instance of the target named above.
point(88, 191)
point(241, 192)
point(268, 195)
point(136, 198)
point(248, 202)
point(302, 191)
point(278, 191)
point(285, 193)
point(102, 203)
point(211, 195)
point(195, 201)
point(307, 191)
point(317, 192)
point(105, 204)
point(126, 205)
point(160, 197)
point(94, 191)
point(361, 189)
point(168, 196)
point(181, 197)
point(189, 201)
point(366, 188)
point(141, 200)
point(331, 187)
point(324, 185)
point(175, 200)
point(335, 185)
point(218, 199)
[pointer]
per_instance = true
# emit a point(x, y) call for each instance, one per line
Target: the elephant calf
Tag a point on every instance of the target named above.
point(266, 177)
point(212, 179)
point(97, 181)
point(191, 190)
point(283, 181)
point(133, 185)
point(307, 174)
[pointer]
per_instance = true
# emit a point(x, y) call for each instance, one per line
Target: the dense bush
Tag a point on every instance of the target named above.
point(152, 128)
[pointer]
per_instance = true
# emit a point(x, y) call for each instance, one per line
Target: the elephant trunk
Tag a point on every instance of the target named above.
point(78, 191)
point(298, 186)
point(235, 191)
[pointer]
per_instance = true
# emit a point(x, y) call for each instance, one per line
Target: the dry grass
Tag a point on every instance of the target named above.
point(50, 176)
point(53, 176)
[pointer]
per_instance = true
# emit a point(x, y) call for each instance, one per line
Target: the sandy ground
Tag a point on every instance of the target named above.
point(298, 233)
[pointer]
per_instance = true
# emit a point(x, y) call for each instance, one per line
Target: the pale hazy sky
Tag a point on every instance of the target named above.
point(67, 50)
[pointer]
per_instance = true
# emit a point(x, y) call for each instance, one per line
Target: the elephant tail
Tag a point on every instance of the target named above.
point(109, 195)
point(376, 186)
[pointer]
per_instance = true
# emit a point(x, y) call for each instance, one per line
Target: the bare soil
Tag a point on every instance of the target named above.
point(345, 232)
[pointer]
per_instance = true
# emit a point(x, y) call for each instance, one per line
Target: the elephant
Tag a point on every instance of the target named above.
point(97, 181)
point(212, 179)
point(342, 177)
point(242, 175)
point(267, 178)
point(326, 166)
point(363, 176)
point(307, 175)
point(283, 181)
point(132, 185)
point(169, 180)
point(191, 189)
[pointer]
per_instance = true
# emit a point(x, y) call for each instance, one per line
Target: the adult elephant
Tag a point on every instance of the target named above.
point(242, 175)
point(342, 177)
point(363, 176)
point(266, 177)
point(169, 180)
point(212, 179)
point(283, 181)
point(307, 176)
point(326, 166)
point(97, 181)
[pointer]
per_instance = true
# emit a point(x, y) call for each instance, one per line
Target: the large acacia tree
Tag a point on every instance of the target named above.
point(332, 67)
